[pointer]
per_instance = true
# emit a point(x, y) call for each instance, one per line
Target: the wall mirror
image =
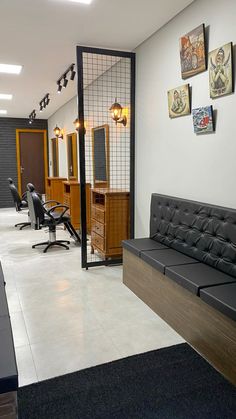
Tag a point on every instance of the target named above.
point(72, 158)
point(100, 156)
point(55, 157)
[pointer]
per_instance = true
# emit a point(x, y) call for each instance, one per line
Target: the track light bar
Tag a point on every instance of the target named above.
point(63, 80)
point(44, 102)
point(32, 116)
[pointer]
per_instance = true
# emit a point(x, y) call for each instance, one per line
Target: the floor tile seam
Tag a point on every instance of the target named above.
point(67, 335)
point(34, 363)
point(26, 329)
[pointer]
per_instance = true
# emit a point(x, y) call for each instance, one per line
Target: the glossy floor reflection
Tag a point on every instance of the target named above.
point(64, 318)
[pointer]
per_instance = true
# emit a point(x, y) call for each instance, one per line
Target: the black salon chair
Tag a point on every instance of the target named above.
point(20, 202)
point(42, 217)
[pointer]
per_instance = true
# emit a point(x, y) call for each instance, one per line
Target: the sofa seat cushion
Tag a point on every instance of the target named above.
point(197, 276)
point(222, 297)
point(161, 259)
point(137, 245)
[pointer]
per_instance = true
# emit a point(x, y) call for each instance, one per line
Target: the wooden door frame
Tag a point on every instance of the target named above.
point(73, 136)
point(57, 155)
point(45, 153)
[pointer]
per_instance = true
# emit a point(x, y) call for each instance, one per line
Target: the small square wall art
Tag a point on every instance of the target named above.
point(192, 52)
point(221, 71)
point(179, 101)
point(203, 120)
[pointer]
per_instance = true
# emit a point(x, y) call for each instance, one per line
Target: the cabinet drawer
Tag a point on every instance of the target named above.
point(98, 241)
point(67, 200)
point(98, 228)
point(98, 214)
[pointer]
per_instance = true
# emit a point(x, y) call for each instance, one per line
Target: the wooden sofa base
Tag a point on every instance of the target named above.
point(208, 331)
point(8, 405)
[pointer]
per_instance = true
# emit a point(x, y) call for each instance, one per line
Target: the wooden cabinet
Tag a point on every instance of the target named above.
point(71, 198)
point(54, 188)
point(109, 221)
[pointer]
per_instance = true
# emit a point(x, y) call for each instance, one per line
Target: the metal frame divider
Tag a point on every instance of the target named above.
point(80, 94)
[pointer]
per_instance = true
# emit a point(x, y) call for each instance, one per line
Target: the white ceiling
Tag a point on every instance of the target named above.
point(42, 36)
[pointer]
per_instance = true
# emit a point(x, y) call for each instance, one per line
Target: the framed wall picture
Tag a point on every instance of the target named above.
point(179, 101)
point(221, 71)
point(203, 120)
point(193, 52)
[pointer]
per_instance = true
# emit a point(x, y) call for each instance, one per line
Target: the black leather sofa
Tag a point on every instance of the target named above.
point(193, 245)
point(8, 368)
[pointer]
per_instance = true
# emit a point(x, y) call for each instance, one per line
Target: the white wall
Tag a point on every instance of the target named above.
point(63, 118)
point(170, 158)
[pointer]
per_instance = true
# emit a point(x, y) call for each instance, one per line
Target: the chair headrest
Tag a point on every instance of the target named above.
point(30, 187)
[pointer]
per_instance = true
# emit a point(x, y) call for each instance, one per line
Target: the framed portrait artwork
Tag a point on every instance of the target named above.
point(221, 71)
point(203, 120)
point(179, 101)
point(193, 52)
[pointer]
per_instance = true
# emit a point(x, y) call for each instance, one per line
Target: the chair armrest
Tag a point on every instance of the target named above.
point(24, 196)
point(56, 207)
point(50, 202)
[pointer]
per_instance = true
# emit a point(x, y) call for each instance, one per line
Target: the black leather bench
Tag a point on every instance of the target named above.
point(197, 277)
point(191, 245)
point(8, 368)
point(221, 297)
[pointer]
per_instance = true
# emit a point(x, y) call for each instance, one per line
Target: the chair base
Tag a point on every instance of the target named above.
point(23, 225)
point(52, 243)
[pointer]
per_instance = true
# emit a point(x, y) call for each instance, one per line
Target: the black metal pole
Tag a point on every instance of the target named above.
point(80, 92)
point(132, 148)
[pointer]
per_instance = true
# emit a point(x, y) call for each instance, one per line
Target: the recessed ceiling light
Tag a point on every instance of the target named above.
point(3, 112)
point(3, 96)
point(82, 1)
point(10, 69)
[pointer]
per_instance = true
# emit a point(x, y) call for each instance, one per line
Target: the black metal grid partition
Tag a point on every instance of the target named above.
point(106, 79)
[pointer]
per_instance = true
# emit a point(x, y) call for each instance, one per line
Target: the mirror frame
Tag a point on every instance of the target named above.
point(96, 182)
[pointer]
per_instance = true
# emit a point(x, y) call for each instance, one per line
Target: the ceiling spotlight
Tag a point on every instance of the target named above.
point(44, 102)
point(73, 73)
point(47, 100)
point(32, 116)
point(59, 87)
point(72, 76)
point(65, 82)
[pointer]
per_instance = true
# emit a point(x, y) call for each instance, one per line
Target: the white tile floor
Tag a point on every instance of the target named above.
point(64, 318)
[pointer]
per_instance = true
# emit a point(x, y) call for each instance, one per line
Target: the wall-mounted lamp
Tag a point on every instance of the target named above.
point(58, 132)
point(117, 114)
point(77, 125)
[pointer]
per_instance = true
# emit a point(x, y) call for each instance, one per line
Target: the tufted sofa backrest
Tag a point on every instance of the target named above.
point(205, 232)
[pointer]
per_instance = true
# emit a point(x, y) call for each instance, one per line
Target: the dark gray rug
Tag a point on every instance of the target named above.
point(168, 383)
